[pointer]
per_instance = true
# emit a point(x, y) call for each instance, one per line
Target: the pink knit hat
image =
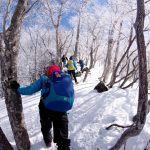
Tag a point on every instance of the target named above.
point(52, 69)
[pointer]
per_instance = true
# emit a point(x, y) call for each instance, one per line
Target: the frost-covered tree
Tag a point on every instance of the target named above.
point(9, 51)
point(56, 10)
point(139, 120)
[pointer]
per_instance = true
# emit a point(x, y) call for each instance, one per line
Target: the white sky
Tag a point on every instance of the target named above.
point(91, 114)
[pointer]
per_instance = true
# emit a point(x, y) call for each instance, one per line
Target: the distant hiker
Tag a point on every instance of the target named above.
point(81, 64)
point(64, 60)
point(57, 96)
point(71, 66)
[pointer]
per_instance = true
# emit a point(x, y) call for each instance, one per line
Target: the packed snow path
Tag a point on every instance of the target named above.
point(91, 114)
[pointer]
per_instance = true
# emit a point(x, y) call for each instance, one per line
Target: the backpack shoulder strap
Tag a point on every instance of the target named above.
point(47, 87)
point(47, 83)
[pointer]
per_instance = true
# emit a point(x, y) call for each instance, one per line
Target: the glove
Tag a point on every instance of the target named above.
point(14, 85)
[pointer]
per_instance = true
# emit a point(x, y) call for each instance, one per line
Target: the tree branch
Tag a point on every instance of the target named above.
point(30, 7)
point(116, 125)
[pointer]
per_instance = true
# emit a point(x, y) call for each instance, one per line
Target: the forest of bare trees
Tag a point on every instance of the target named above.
point(114, 35)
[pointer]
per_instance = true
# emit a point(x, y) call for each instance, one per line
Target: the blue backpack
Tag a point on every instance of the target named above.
point(59, 95)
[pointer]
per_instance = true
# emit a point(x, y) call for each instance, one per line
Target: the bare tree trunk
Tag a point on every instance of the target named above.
point(129, 74)
point(131, 40)
point(8, 57)
point(108, 60)
point(91, 57)
point(77, 39)
point(58, 48)
point(94, 45)
point(56, 25)
point(35, 55)
point(86, 75)
point(95, 56)
point(116, 54)
point(83, 4)
point(4, 143)
point(143, 84)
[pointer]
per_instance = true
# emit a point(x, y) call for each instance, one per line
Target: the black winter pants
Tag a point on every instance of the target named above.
point(72, 73)
point(59, 121)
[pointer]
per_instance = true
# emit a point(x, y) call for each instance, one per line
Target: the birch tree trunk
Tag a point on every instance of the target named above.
point(77, 39)
point(81, 10)
point(8, 56)
point(143, 84)
point(116, 54)
point(108, 60)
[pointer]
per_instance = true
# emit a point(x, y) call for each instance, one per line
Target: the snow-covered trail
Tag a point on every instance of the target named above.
point(91, 114)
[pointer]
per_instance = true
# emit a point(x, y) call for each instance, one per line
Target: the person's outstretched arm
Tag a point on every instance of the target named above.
point(32, 88)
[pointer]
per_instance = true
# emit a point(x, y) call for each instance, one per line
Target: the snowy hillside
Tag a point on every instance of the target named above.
point(91, 114)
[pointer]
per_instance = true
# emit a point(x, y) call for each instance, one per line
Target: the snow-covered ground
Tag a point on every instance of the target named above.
point(91, 114)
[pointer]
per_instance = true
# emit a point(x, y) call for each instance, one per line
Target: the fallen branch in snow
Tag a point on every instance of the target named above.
point(107, 128)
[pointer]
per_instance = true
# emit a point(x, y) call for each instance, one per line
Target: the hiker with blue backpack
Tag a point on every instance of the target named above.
point(57, 97)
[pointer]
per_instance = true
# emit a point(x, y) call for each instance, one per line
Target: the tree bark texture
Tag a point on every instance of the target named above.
point(143, 85)
point(4, 143)
point(9, 71)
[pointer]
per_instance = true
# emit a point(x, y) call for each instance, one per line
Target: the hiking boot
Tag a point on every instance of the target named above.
point(64, 144)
